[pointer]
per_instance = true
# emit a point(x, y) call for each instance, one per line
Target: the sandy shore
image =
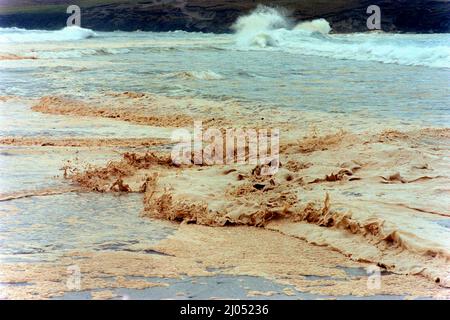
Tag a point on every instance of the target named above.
point(350, 192)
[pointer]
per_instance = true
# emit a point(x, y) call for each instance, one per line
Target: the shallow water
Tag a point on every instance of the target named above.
point(217, 287)
point(18, 120)
point(214, 66)
point(36, 168)
point(44, 228)
point(378, 76)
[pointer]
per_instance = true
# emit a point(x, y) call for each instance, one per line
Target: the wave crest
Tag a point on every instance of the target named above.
point(319, 25)
point(269, 28)
point(17, 35)
point(197, 75)
point(256, 28)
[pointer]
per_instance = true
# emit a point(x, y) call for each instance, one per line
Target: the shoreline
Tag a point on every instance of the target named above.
point(319, 198)
point(297, 157)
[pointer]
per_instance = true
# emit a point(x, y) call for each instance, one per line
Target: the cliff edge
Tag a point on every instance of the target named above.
point(218, 15)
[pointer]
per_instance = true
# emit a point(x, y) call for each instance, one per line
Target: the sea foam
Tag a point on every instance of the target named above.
point(270, 29)
point(17, 35)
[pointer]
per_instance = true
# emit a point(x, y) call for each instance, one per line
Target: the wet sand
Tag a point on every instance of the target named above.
point(370, 193)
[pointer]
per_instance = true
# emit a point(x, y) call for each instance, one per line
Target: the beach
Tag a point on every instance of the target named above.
point(93, 205)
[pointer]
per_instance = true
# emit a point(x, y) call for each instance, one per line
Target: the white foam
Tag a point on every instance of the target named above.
point(269, 29)
point(197, 75)
point(385, 48)
point(78, 53)
point(319, 25)
point(255, 29)
point(17, 35)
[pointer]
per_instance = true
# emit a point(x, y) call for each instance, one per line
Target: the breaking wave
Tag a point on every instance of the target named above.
point(17, 35)
point(77, 53)
point(197, 75)
point(270, 29)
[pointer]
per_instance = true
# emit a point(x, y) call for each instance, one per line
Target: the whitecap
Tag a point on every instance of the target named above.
point(17, 35)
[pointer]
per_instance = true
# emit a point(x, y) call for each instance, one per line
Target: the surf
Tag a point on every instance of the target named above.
point(18, 35)
point(271, 29)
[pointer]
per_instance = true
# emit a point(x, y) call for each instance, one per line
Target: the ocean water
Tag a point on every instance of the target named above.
point(267, 59)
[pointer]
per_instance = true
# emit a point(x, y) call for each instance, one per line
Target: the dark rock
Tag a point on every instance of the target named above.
point(218, 15)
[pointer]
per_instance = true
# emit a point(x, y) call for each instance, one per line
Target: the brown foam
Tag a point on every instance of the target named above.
point(239, 195)
point(345, 168)
point(16, 57)
point(82, 142)
point(64, 106)
point(35, 193)
point(197, 250)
